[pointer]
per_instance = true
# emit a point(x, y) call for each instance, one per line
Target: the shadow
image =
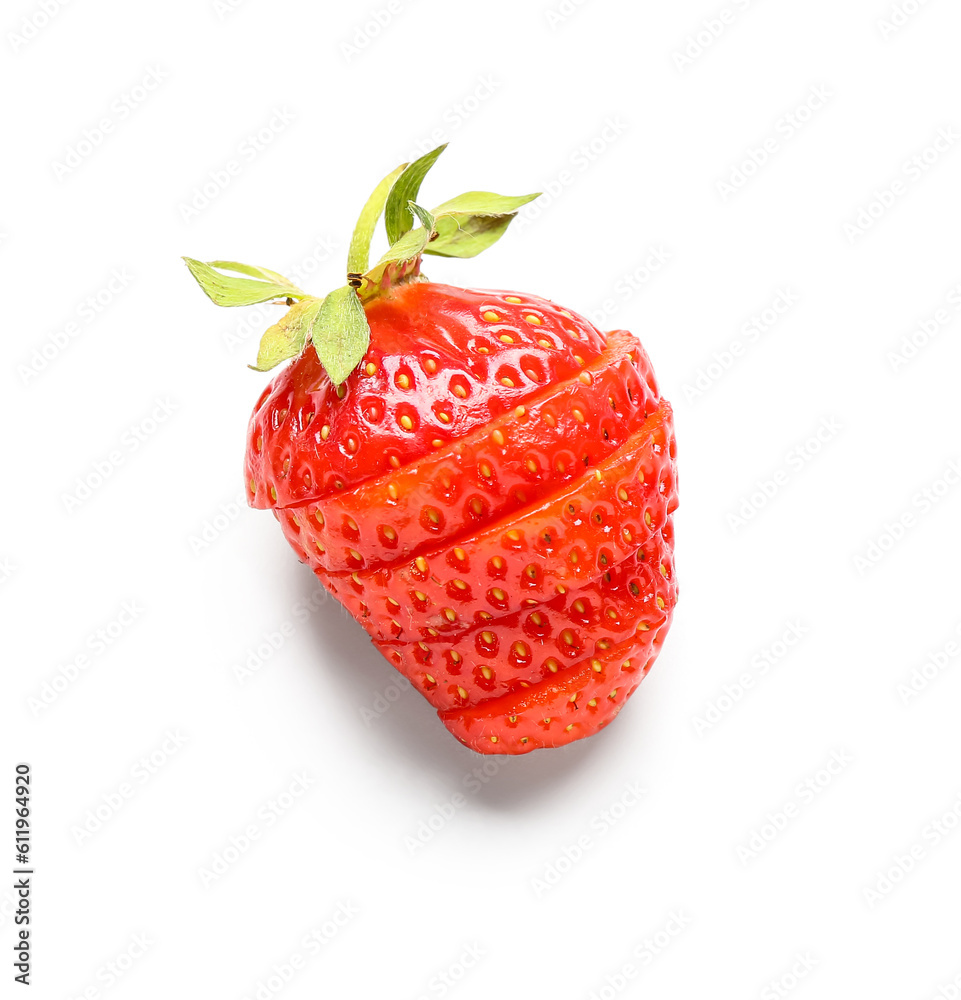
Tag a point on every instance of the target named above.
point(409, 729)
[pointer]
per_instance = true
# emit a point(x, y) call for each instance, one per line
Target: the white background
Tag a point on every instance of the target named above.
point(596, 107)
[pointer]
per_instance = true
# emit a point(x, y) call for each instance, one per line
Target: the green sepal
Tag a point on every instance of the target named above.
point(472, 222)
point(341, 334)
point(358, 255)
point(400, 261)
point(227, 290)
point(287, 337)
point(398, 219)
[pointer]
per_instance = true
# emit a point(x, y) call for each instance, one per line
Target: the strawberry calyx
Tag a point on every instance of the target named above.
point(336, 324)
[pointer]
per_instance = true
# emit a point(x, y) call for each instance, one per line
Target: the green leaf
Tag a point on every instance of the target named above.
point(397, 214)
point(265, 274)
point(226, 290)
point(358, 256)
point(423, 216)
point(462, 235)
point(340, 333)
point(287, 337)
point(484, 203)
point(397, 262)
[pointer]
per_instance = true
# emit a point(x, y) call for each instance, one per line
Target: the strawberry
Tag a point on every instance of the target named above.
point(483, 479)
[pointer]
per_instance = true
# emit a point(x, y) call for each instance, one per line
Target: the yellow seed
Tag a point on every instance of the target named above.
point(573, 697)
point(493, 739)
point(611, 613)
point(406, 422)
point(497, 437)
point(512, 718)
point(551, 665)
point(392, 491)
point(524, 739)
point(477, 507)
point(663, 569)
point(520, 649)
point(531, 374)
point(643, 627)
point(371, 368)
point(647, 518)
point(351, 524)
point(567, 729)
point(497, 562)
point(491, 317)
point(319, 516)
point(455, 656)
point(613, 694)
point(462, 693)
point(437, 443)
point(509, 382)
point(460, 585)
point(484, 615)
point(253, 486)
point(353, 553)
point(391, 603)
point(403, 381)
point(506, 338)
point(545, 343)
point(597, 474)
point(622, 495)
point(561, 589)
point(640, 476)
point(273, 493)
point(532, 319)
point(486, 671)
point(487, 637)
point(573, 557)
point(356, 578)
point(626, 665)
point(320, 548)
point(460, 554)
point(584, 377)
point(512, 298)
point(498, 594)
point(430, 365)
point(485, 470)
point(419, 595)
point(547, 721)
point(519, 411)
point(660, 602)
point(578, 607)
point(443, 417)
point(578, 415)
point(352, 444)
point(459, 390)
point(483, 350)
point(514, 536)
point(433, 517)
point(567, 637)
point(531, 465)
point(597, 666)
point(549, 420)
point(537, 619)
point(325, 432)
point(421, 563)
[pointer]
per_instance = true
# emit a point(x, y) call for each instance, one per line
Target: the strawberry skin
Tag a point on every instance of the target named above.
point(507, 537)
